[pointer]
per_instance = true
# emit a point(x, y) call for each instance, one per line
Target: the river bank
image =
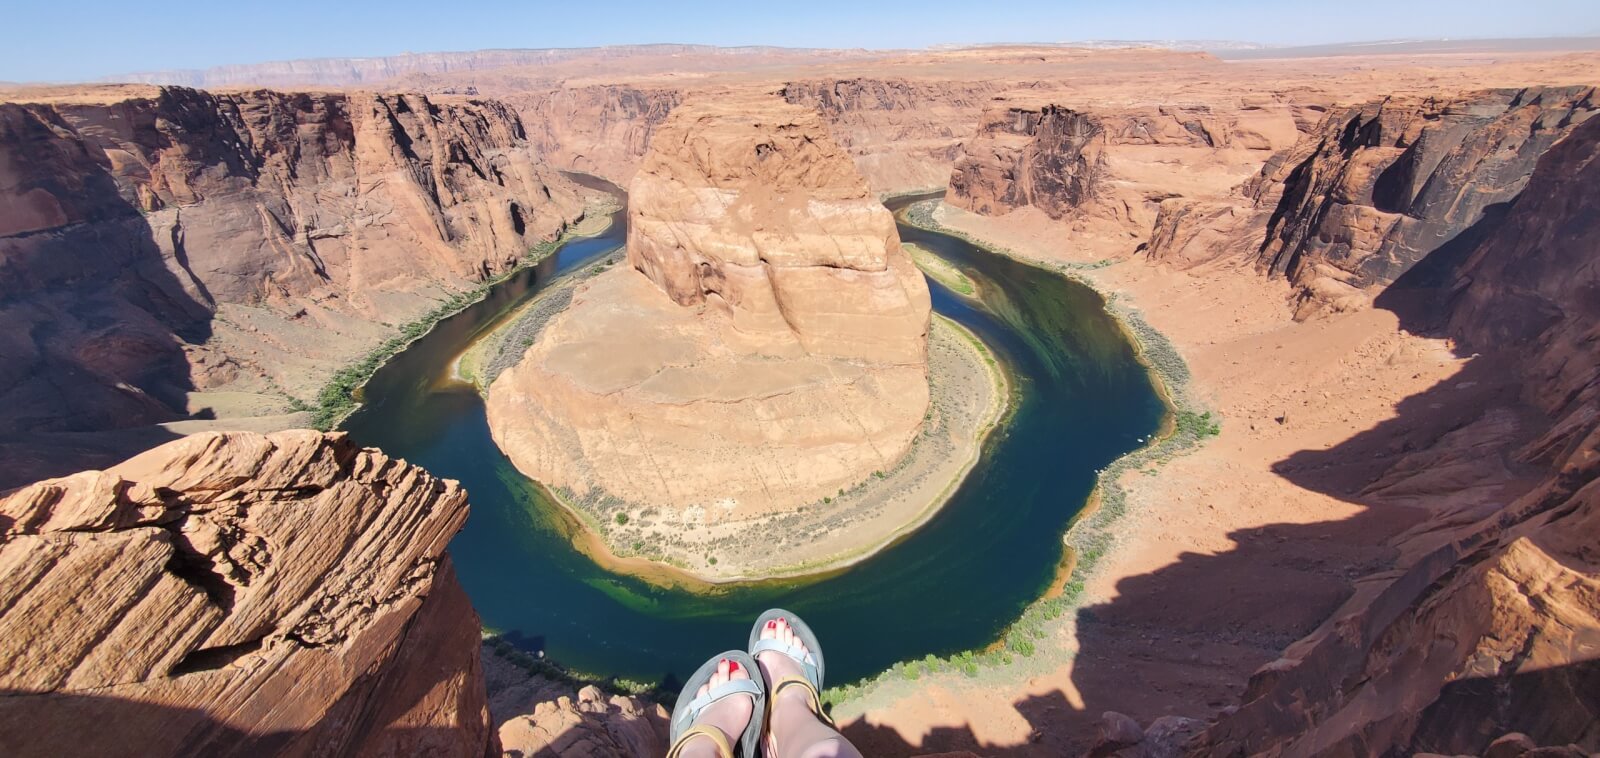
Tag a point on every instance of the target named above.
point(1080, 401)
point(969, 398)
point(1157, 631)
point(342, 394)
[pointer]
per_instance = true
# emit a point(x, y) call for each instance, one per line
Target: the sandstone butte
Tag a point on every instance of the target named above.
point(764, 348)
point(174, 254)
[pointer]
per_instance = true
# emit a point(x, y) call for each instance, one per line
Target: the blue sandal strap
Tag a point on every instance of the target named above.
point(727, 689)
point(796, 654)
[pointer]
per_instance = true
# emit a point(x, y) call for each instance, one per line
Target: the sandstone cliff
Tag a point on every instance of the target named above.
point(168, 251)
point(1375, 189)
point(1104, 171)
point(902, 133)
point(603, 130)
point(1043, 155)
point(1493, 624)
point(766, 347)
point(238, 594)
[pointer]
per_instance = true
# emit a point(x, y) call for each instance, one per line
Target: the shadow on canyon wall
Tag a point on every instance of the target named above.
point(96, 320)
point(1183, 640)
point(110, 726)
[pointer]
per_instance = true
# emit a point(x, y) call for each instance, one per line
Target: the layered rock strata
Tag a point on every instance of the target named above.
point(239, 594)
point(1046, 156)
point(765, 348)
point(1105, 171)
point(171, 252)
point(602, 129)
point(902, 133)
point(1493, 624)
point(1376, 189)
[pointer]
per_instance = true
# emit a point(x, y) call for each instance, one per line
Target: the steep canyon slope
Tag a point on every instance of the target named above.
point(1375, 189)
point(170, 253)
point(1493, 624)
point(1402, 534)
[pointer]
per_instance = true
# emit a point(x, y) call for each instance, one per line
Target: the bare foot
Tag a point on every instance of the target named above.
point(793, 704)
point(730, 715)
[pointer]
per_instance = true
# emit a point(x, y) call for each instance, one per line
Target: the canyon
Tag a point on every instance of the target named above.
point(173, 255)
point(1378, 270)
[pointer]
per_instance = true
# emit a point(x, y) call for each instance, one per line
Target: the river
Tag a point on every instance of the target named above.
point(955, 584)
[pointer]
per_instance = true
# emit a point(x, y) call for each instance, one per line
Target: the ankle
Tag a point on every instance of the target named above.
point(699, 746)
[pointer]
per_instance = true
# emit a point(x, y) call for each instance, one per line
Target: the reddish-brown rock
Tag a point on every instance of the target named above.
point(1043, 155)
point(157, 243)
point(1496, 629)
point(1375, 189)
point(233, 594)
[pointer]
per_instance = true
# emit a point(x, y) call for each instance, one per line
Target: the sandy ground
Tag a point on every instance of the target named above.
point(1225, 555)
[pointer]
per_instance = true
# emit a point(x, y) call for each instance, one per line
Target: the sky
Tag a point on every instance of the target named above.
point(70, 40)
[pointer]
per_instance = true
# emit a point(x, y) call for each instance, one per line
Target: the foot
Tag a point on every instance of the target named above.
point(730, 715)
point(792, 705)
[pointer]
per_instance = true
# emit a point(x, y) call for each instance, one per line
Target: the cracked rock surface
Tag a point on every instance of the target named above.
point(233, 593)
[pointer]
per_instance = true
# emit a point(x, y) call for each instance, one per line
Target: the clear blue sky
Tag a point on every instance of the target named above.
point(82, 39)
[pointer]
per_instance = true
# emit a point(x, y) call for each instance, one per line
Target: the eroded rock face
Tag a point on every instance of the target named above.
point(169, 240)
point(765, 347)
point(594, 725)
point(751, 208)
point(1043, 155)
point(603, 129)
point(239, 594)
point(902, 133)
point(1495, 629)
point(1378, 188)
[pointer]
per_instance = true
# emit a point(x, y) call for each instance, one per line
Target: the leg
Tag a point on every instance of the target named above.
point(794, 730)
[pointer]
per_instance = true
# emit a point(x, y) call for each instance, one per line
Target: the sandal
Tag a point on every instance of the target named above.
point(810, 660)
point(690, 706)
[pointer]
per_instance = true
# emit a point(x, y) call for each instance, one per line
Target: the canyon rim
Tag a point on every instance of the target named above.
point(1366, 276)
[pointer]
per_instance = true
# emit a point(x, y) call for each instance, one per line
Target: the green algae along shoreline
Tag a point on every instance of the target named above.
point(1080, 400)
point(480, 363)
point(1090, 535)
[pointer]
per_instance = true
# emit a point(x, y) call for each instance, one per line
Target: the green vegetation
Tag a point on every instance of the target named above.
point(941, 270)
point(547, 669)
point(622, 519)
point(1091, 536)
point(1196, 425)
point(338, 397)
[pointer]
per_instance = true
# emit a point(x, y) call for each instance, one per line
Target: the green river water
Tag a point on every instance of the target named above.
point(955, 584)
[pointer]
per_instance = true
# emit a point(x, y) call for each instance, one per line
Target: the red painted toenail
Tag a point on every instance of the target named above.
point(772, 625)
point(733, 665)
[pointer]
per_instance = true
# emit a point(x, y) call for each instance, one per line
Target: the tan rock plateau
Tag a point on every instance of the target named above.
point(765, 349)
point(239, 594)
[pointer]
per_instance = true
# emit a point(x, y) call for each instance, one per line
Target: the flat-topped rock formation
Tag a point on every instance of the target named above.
point(168, 250)
point(765, 348)
point(239, 594)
